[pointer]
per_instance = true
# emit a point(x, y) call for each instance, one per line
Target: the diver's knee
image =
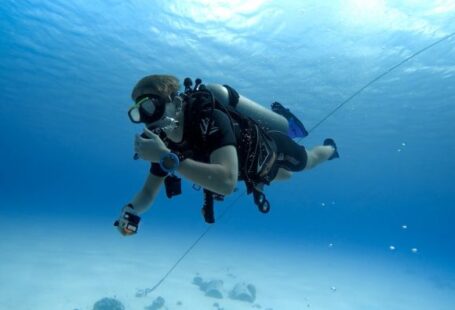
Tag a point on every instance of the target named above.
point(283, 174)
point(312, 159)
point(318, 155)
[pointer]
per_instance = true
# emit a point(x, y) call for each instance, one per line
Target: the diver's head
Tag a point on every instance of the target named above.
point(156, 101)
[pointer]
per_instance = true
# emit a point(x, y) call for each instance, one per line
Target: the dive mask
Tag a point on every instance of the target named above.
point(147, 110)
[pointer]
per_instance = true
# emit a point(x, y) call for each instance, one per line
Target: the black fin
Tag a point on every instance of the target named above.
point(331, 142)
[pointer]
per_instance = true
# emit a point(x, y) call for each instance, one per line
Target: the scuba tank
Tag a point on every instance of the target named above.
point(245, 106)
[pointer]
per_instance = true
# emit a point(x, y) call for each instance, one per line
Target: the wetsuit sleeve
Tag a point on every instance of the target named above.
point(220, 132)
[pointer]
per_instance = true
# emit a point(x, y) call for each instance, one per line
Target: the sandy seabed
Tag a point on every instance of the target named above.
point(69, 267)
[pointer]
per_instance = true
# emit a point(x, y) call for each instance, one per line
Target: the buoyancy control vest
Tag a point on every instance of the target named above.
point(255, 148)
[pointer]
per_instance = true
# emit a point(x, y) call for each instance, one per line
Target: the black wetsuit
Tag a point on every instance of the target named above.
point(291, 156)
point(209, 130)
point(206, 135)
point(212, 131)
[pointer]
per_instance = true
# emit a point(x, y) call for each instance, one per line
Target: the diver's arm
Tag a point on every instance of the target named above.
point(144, 198)
point(219, 176)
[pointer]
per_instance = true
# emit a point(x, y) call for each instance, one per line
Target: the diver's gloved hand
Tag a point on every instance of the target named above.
point(128, 221)
point(150, 148)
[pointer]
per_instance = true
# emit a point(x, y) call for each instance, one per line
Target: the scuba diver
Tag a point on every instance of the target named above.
point(214, 137)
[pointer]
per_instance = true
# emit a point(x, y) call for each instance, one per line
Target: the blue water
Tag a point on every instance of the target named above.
point(67, 70)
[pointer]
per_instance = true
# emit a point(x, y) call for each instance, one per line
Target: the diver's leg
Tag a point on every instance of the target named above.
point(318, 155)
point(283, 174)
point(290, 155)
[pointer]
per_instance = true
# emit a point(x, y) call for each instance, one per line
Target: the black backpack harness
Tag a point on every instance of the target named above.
point(255, 149)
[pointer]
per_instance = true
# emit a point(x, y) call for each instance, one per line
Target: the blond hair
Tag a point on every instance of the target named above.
point(160, 85)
